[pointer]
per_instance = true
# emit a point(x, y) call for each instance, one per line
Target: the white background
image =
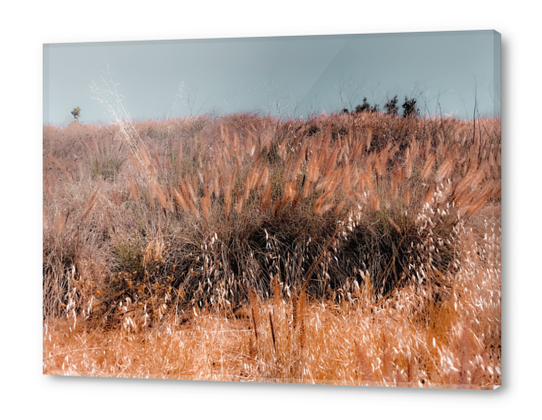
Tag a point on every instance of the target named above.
point(24, 27)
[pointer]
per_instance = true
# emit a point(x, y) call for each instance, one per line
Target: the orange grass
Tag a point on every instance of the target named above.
point(345, 249)
point(354, 343)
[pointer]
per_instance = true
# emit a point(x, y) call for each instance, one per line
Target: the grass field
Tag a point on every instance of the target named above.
point(359, 249)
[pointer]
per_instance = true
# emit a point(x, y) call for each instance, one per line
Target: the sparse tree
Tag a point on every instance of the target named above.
point(279, 101)
point(186, 97)
point(76, 112)
point(349, 92)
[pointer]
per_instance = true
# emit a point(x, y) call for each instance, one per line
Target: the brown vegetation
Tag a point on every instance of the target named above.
point(346, 249)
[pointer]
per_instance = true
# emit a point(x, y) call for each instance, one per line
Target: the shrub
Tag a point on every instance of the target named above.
point(365, 107)
point(409, 108)
point(391, 106)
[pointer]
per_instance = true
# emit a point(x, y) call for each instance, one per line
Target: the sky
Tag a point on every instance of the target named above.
point(449, 73)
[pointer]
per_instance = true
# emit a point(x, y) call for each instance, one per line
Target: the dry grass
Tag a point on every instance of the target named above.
point(346, 249)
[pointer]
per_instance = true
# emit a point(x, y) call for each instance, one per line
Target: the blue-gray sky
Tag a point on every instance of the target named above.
point(290, 76)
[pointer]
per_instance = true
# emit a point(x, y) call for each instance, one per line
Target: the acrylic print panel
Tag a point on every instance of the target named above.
point(318, 209)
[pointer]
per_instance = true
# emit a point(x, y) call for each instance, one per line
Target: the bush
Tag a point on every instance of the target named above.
point(409, 108)
point(366, 107)
point(391, 106)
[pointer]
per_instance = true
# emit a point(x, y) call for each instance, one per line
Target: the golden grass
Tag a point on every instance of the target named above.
point(346, 249)
point(355, 343)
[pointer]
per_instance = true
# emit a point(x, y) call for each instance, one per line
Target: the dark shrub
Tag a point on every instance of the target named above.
point(391, 106)
point(365, 107)
point(409, 108)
